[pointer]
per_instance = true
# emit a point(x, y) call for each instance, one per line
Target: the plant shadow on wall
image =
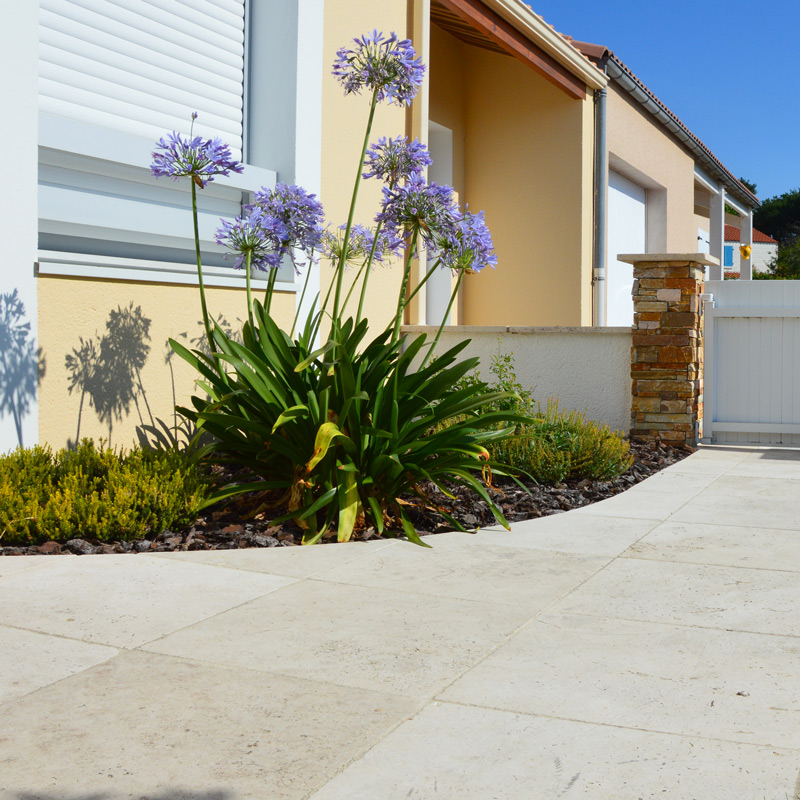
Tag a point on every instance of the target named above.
point(22, 365)
point(107, 370)
point(198, 342)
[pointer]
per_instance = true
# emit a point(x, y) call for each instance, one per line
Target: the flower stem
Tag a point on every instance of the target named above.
point(273, 275)
point(369, 269)
point(398, 317)
point(346, 242)
point(302, 297)
point(203, 306)
point(354, 284)
point(444, 320)
point(249, 293)
point(422, 282)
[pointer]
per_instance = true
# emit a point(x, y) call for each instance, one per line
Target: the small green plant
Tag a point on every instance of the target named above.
point(95, 492)
point(555, 445)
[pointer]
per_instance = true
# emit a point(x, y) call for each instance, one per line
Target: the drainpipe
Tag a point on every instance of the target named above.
point(600, 179)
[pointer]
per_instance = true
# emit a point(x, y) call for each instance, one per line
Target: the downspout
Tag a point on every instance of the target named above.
point(600, 211)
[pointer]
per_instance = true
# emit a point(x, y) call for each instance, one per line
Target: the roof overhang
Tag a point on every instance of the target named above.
point(510, 26)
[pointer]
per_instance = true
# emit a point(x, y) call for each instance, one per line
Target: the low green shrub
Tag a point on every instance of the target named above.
point(561, 445)
point(95, 492)
point(555, 445)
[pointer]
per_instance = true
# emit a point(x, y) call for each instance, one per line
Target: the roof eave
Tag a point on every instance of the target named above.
point(620, 75)
point(532, 26)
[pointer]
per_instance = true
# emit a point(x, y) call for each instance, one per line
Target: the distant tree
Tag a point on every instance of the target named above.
point(786, 265)
point(749, 184)
point(779, 217)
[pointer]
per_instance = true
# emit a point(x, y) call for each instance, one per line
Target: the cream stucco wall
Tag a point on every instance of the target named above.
point(344, 120)
point(585, 369)
point(71, 309)
point(643, 151)
point(528, 163)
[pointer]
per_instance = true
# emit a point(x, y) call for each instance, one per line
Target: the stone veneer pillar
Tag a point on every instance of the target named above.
point(667, 348)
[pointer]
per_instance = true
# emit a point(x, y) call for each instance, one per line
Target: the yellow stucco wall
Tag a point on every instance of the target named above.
point(448, 96)
point(528, 163)
point(654, 160)
point(344, 120)
point(160, 311)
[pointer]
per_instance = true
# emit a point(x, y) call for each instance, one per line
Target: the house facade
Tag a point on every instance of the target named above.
point(762, 256)
point(554, 139)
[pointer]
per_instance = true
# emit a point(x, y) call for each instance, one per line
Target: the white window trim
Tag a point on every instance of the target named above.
point(78, 265)
point(97, 143)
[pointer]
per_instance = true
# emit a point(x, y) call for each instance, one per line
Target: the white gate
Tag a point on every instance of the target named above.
point(752, 362)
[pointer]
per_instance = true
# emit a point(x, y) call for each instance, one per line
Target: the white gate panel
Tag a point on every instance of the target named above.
point(752, 365)
point(627, 233)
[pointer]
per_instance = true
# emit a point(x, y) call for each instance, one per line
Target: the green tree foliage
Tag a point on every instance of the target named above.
point(779, 217)
point(748, 184)
point(786, 266)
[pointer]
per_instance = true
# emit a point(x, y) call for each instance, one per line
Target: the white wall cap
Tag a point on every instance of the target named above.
point(696, 258)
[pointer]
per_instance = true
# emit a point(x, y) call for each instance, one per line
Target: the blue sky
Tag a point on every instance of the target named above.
point(728, 70)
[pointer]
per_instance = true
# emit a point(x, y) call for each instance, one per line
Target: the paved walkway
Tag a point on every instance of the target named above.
point(646, 646)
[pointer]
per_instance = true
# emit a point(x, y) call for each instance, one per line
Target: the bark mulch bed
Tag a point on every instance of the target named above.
point(228, 530)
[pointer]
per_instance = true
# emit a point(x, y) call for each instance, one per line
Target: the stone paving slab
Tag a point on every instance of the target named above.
point(523, 578)
point(752, 502)
point(123, 600)
point(740, 687)
point(456, 752)
point(292, 562)
point(565, 533)
point(754, 600)
point(143, 725)
point(720, 545)
point(354, 636)
point(29, 661)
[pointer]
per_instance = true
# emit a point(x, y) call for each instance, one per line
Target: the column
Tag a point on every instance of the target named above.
point(667, 347)
point(716, 233)
point(746, 270)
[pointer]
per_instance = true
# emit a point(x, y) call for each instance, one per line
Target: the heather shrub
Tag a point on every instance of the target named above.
point(95, 492)
point(556, 445)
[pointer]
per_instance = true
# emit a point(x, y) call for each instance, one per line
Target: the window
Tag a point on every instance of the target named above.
point(115, 75)
point(728, 257)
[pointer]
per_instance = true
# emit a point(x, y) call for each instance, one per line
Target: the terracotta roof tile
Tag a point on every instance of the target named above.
point(733, 234)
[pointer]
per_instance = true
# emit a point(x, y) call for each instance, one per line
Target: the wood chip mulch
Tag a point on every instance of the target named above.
point(230, 528)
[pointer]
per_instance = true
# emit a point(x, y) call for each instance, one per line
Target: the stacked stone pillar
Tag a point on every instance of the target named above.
point(667, 348)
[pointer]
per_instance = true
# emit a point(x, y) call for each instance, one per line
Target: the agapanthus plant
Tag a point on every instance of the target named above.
point(336, 433)
point(395, 160)
point(387, 66)
point(201, 160)
point(296, 219)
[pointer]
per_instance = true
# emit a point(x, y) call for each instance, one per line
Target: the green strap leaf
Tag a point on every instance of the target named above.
point(410, 531)
point(348, 506)
point(326, 434)
point(291, 413)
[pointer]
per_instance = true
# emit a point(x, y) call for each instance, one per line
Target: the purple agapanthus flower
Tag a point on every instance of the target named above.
point(197, 158)
point(360, 244)
point(393, 160)
point(425, 208)
point(251, 234)
point(387, 66)
point(471, 249)
point(294, 218)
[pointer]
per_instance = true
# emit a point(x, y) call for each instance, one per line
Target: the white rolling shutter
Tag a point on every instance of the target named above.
point(143, 66)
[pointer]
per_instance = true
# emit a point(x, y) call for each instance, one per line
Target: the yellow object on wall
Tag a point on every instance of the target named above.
point(745, 250)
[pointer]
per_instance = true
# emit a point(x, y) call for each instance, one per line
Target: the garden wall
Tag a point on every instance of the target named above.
point(586, 369)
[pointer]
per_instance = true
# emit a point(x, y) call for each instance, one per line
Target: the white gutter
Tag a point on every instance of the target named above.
point(615, 71)
point(534, 28)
